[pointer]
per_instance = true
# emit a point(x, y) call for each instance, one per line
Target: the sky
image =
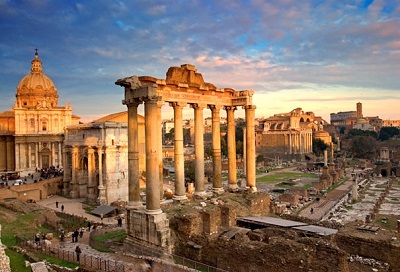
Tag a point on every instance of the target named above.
point(321, 56)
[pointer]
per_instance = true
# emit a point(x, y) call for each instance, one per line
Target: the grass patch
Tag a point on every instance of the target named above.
point(285, 176)
point(114, 236)
point(17, 261)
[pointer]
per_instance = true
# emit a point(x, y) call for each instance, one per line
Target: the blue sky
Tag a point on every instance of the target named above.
point(323, 56)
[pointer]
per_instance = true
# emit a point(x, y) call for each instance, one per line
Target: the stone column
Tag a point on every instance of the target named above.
point(90, 185)
point(133, 155)
point(216, 146)
point(29, 156)
point(250, 147)
point(67, 173)
point(231, 148)
point(152, 164)
point(17, 155)
point(244, 152)
point(53, 153)
point(179, 158)
point(37, 156)
point(101, 199)
point(60, 162)
point(199, 149)
point(325, 157)
point(160, 154)
point(74, 182)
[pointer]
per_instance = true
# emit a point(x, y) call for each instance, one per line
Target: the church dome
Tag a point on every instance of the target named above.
point(36, 89)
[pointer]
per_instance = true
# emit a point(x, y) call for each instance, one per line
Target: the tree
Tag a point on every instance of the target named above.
point(319, 146)
point(364, 147)
point(388, 132)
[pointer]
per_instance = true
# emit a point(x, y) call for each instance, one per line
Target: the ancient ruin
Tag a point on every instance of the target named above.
point(183, 86)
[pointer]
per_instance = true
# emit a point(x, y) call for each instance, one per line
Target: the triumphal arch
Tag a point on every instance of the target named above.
point(182, 87)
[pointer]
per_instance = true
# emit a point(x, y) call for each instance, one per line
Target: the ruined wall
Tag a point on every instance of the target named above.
point(34, 191)
point(266, 250)
point(385, 250)
point(4, 259)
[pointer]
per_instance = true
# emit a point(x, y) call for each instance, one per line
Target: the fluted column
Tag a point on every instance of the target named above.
point(67, 172)
point(90, 184)
point(53, 153)
point(152, 164)
point(232, 182)
point(37, 156)
point(199, 149)
point(101, 199)
point(180, 193)
point(17, 155)
point(60, 161)
point(133, 156)
point(74, 182)
point(29, 156)
point(250, 147)
point(216, 146)
point(160, 154)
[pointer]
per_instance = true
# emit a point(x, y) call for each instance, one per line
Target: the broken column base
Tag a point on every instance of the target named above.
point(148, 234)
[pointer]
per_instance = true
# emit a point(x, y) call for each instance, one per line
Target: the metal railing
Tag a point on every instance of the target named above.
point(86, 260)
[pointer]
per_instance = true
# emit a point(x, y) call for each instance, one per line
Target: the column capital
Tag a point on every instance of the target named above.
point(230, 108)
point(133, 102)
point(177, 104)
point(152, 99)
point(249, 107)
point(198, 106)
point(214, 107)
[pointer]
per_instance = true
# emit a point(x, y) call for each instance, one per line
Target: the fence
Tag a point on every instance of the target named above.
point(86, 260)
point(108, 265)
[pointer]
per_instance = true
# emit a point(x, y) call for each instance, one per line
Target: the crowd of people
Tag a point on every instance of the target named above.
point(51, 172)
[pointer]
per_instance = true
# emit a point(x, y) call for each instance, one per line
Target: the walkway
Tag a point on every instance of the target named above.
point(89, 255)
point(75, 207)
point(325, 204)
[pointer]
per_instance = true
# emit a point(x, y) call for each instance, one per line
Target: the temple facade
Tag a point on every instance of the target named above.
point(290, 133)
point(96, 159)
point(32, 132)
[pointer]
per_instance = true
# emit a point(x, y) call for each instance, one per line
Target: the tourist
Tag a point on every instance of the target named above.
point(81, 233)
point(78, 252)
point(101, 217)
point(119, 220)
point(76, 234)
point(62, 208)
point(89, 225)
point(312, 210)
point(37, 239)
point(56, 204)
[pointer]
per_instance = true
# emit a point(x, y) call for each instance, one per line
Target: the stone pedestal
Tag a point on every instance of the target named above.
point(148, 230)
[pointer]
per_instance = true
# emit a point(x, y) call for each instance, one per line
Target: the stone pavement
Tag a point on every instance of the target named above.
point(326, 203)
point(73, 206)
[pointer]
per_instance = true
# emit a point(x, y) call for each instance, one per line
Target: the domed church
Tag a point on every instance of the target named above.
point(32, 132)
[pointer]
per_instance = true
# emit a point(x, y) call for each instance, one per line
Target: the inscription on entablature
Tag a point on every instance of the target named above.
point(193, 97)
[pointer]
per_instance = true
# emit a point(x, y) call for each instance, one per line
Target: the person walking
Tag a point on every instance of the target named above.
point(119, 220)
point(62, 208)
point(89, 225)
point(57, 204)
point(78, 252)
point(76, 235)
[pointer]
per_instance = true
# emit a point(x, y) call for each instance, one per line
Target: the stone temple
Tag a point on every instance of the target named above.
point(182, 87)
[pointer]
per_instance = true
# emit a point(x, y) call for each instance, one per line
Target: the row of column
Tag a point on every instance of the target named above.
point(23, 146)
point(299, 142)
point(7, 154)
point(154, 179)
